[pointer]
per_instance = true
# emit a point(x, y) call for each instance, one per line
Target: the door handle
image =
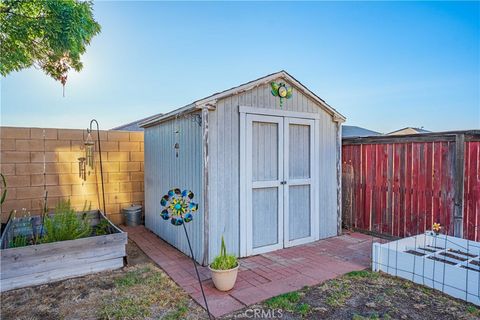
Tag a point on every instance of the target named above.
point(283, 182)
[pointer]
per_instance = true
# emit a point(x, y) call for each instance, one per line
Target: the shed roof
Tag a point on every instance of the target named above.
point(354, 131)
point(241, 88)
point(408, 130)
point(135, 125)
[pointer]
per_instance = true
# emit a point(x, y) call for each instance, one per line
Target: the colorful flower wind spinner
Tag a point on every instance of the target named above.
point(178, 206)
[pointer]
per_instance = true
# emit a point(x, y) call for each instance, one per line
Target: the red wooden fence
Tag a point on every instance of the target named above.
point(471, 212)
point(401, 185)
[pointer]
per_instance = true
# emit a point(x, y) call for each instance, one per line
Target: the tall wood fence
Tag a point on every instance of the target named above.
point(401, 185)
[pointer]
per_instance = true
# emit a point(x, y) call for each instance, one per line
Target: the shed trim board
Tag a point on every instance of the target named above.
point(316, 172)
point(244, 87)
point(205, 183)
point(339, 177)
point(281, 182)
point(278, 113)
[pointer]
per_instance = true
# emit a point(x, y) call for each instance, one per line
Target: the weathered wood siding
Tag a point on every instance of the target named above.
point(400, 186)
point(224, 164)
point(163, 171)
point(44, 263)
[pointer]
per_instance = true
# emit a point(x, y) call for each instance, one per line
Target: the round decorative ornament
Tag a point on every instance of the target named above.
point(282, 91)
point(178, 206)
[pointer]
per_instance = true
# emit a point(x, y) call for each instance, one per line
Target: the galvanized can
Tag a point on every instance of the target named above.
point(133, 215)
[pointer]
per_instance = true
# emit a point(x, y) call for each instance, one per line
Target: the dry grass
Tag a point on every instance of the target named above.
point(366, 295)
point(140, 291)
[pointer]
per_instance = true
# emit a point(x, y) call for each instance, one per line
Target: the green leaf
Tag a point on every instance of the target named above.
point(224, 261)
point(289, 93)
point(275, 86)
point(65, 224)
point(50, 34)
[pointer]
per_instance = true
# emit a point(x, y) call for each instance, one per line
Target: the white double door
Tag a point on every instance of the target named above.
point(280, 166)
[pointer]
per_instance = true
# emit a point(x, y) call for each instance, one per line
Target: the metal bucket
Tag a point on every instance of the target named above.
point(133, 215)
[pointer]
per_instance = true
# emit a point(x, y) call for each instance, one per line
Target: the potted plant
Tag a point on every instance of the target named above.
point(224, 269)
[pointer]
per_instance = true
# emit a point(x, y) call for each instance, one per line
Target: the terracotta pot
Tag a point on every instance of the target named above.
point(224, 280)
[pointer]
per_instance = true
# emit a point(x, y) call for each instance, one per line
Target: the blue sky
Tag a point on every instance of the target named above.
point(383, 65)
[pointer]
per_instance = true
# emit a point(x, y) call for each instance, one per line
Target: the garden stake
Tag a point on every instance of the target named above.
point(179, 207)
point(196, 270)
point(101, 163)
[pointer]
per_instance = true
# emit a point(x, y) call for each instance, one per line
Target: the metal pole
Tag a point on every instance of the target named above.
point(101, 166)
point(196, 270)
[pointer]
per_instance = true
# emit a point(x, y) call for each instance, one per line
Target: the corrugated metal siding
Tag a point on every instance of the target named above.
point(164, 171)
point(328, 178)
point(224, 148)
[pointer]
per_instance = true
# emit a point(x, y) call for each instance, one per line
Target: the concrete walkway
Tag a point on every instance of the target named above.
point(262, 276)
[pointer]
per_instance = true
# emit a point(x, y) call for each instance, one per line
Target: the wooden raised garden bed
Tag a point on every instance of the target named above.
point(42, 263)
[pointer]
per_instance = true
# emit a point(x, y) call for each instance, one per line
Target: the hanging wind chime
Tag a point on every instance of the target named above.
point(88, 159)
point(89, 148)
point(282, 91)
point(179, 208)
point(176, 131)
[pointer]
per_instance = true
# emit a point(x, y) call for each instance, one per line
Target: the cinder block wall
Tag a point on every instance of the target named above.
point(22, 162)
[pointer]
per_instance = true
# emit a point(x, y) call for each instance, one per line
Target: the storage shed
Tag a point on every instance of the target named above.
point(265, 170)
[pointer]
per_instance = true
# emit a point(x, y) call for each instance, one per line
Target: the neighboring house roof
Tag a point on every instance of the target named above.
point(354, 131)
point(135, 125)
point(241, 88)
point(408, 130)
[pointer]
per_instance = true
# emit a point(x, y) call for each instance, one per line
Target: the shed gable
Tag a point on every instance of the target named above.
point(262, 97)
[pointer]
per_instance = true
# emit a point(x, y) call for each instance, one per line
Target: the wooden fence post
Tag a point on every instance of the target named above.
point(459, 183)
point(347, 195)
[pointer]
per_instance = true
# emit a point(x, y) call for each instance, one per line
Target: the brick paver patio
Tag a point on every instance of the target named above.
point(262, 276)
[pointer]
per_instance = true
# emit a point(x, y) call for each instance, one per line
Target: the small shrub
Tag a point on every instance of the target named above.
point(65, 224)
point(102, 228)
point(22, 230)
point(18, 241)
point(224, 261)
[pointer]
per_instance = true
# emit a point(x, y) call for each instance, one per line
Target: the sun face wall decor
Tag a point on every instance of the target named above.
point(178, 206)
point(282, 91)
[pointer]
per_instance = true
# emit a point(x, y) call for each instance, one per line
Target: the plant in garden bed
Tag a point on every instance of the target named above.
point(102, 228)
point(65, 224)
point(18, 241)
point(224, 269)
point(23, 233)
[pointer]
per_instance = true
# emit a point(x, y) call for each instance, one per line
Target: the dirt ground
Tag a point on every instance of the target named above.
point(363, 295)
point(143, 291)
point(138, 291)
